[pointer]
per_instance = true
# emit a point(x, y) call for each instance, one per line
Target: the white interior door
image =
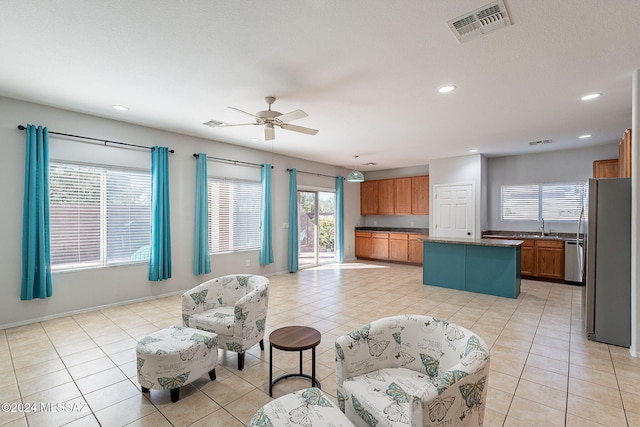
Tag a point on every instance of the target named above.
point(454, 210)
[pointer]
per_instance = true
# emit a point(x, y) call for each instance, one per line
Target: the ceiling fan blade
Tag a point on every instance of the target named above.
point(244, 112)
point(300, 129)
point(293, 115)
point(227, 125)
point(269, 133)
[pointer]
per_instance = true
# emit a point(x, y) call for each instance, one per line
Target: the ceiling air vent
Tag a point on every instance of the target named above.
point(214, 123)
point(481, 21)
point(542, 141)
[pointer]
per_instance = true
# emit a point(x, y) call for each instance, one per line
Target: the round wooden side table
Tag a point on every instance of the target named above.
point(294, 338)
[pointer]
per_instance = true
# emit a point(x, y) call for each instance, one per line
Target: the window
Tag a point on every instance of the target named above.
point(234, 215)
point(554, 202)
point(98, 215)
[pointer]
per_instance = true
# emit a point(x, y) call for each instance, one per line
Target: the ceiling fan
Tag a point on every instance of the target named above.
point(270, 118)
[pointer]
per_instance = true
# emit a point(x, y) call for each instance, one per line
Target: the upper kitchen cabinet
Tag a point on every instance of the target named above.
point(605, 168)
point(624, 155)
point(403, 196)
point(386, 197)
point(395, 196)
point(369, 198)
point(420, 195)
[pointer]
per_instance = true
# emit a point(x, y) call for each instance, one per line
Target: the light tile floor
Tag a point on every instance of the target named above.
point(543, 370)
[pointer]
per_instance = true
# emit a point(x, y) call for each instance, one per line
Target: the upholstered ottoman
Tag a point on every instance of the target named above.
point(176, 356)
point(310, 407)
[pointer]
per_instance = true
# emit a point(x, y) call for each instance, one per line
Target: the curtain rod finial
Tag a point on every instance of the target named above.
point(20, 127)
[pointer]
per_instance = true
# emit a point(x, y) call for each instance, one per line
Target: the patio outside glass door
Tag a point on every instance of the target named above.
point(316, 227)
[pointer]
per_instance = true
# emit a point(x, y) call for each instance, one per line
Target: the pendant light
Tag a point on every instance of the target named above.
point(355, 175)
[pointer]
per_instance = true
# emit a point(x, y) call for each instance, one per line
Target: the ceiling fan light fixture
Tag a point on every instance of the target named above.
point(355, 176)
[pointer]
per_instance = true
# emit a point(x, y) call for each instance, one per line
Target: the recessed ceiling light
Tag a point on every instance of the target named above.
point(584, 136)
point(591, 96)
point(255, 139)
point(446, 89)
point(120, 108)
point(473, 150)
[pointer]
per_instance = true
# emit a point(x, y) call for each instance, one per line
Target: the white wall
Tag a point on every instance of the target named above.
point(549, 167)
point(460, 170)
point(86, 289)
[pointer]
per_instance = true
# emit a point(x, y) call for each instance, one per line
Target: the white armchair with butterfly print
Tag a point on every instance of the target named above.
point(412, 370)
point(234, 307)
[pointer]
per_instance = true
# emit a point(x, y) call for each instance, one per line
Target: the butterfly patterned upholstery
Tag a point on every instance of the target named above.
point(412, 370)
point(175, 356)
point(234, 307)
point(309, 407)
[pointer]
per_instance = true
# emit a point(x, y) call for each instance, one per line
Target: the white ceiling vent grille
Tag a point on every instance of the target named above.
point(542, 141)
point(481, 21)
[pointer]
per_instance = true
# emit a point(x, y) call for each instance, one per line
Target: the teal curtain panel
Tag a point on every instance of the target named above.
point(201, 259)
point(266, 245)
point(293, 221)
point(36, 255)
point(160, 261)
point(339, 219)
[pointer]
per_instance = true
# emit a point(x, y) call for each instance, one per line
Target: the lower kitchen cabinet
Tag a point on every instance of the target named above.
point(398, 247)
point(542, 259)
point(528, 262)
point(550, 259)
point(363, 244)
point(380, 245)
point(416, 248)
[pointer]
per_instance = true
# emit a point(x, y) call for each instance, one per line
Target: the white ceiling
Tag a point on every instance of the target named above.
point(366, 72)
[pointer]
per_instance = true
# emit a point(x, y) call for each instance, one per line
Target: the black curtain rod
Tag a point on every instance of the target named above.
point(236, 162)
point(313, 173)
point(105, 141)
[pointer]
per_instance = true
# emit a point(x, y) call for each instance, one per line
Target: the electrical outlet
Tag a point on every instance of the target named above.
point(247, 263)
point(285, 225)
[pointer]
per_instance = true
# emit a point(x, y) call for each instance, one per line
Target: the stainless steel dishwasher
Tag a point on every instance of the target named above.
point(572, 251)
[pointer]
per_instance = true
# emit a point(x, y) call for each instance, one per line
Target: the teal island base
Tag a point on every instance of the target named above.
point(486, 266)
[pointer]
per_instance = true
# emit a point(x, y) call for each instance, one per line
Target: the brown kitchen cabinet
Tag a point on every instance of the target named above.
point(396, 247)
point(369, 198)
point(399, 247)
point(386, 196)
point(528, 258)
point(363, 244)
point(380, 246)
point(420, 195)
point(624, 155)
point(606, 168)
point(541, 258)
point(416, 248)
point(550, 259)
point(403, 196)
point(395, 196)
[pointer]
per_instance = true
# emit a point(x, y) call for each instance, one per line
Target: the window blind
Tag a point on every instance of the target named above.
point(520, 202)
point(234, 215)
point(98, 215)
point(555, 202)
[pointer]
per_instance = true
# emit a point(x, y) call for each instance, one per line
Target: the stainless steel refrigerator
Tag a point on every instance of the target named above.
point(607, 294)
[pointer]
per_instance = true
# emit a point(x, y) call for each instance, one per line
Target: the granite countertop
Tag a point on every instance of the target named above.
point(528, 235)
point(408, 230)
point(472, 241)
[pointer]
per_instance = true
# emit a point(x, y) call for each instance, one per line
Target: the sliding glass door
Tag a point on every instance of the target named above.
point(316, 227)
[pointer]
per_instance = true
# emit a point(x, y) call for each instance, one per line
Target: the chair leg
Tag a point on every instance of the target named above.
point(240, 361)
point(144, 389)
point(212, 374)
point(175, 394)
point(262, 344)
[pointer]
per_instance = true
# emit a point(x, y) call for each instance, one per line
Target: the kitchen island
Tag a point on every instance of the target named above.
point(487, 266)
